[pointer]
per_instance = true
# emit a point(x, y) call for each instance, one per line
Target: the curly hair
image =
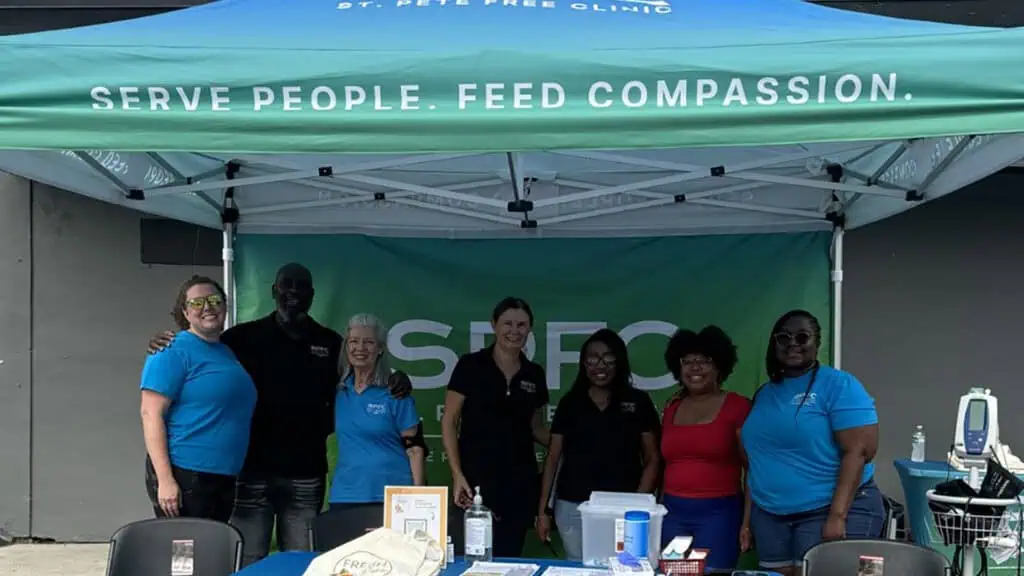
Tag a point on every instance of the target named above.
point(711, 341)
point(178, 312)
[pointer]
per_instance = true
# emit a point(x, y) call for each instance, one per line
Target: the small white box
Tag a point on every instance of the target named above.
point(603, 517)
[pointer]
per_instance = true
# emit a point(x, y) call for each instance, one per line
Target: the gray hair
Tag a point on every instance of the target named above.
point(382, 368)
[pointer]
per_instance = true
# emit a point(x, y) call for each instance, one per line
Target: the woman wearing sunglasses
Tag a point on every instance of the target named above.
point(604, 433)
point(809, 442)
point(700, 446)
point(197, 404)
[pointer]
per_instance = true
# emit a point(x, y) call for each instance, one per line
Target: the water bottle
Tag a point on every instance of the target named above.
point(479, 531)
point(917, 446)
point(450, 552)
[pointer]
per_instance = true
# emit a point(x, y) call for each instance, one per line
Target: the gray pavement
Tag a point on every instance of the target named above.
point(53, 560)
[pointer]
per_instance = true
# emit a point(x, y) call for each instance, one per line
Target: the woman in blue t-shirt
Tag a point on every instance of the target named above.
point(375, 431)
point(809, 440)
point(197, 404)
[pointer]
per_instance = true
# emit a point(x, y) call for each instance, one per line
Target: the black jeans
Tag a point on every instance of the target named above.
point(293, 502)
point(203, 495)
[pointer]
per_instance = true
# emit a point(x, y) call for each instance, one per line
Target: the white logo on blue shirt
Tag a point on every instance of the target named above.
point(376, 409)
point(805, 399)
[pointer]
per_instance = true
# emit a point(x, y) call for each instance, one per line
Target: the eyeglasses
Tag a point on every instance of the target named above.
point(606, 359)
point(212, 300)
point(794, 339)
point(696, 362)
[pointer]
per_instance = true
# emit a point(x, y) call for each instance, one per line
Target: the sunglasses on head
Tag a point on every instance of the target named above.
point(606, 359)
point(793, 339)
point(213, 300)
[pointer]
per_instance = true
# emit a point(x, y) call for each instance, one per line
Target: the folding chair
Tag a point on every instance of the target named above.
point(166, 545)
point(843, 558)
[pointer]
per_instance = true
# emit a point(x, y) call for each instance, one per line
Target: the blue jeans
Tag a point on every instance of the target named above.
point(783, 540)
point(714, 524)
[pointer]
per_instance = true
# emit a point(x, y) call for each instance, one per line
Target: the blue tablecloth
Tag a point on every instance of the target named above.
point(295, 563)
point(916, 479)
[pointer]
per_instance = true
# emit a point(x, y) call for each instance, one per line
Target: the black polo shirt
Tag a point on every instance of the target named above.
point(601, 449)
point(496, 432)
point(296, 380)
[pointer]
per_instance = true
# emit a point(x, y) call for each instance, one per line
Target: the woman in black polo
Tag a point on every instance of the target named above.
point(492, 417)
point(605, 433)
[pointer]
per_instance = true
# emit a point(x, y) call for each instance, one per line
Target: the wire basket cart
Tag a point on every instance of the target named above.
point(970, 524)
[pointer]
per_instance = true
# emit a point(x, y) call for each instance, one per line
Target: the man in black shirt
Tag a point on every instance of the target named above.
point(293, 361)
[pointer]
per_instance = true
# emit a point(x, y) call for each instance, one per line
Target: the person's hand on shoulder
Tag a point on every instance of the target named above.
point(160, 342)
point(399, 384)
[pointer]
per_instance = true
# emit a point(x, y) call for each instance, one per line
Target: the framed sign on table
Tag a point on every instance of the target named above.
point(411, 508)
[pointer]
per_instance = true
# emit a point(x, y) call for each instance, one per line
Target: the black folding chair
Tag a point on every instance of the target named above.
point(170, 545)
point(843, 558)
point(335, 527)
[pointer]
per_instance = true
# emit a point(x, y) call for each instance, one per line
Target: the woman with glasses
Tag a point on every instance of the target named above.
point(809, 442)
point(197, 405)
point(700, 445)
point(604, 433)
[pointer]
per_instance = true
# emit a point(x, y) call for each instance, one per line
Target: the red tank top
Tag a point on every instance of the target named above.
point(703, 460)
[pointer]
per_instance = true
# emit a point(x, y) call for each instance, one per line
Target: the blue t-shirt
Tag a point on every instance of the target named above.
point(368, 428)
point(794, 458)
point(212, 400)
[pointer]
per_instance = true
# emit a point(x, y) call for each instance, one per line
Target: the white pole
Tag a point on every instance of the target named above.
point(228, 259)
point(837, 296)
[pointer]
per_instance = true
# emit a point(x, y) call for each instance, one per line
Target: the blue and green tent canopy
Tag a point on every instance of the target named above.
point(429, 116)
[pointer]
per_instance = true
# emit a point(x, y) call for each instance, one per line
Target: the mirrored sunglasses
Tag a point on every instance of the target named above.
point(213, 300)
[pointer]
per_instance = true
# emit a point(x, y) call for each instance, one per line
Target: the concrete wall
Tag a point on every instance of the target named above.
point(93, 307)
point(932, 309)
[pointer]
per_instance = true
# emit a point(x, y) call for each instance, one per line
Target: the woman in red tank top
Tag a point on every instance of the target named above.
point(700, 446)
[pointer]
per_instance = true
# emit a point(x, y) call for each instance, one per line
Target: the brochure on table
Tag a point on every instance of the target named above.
point(411, 508)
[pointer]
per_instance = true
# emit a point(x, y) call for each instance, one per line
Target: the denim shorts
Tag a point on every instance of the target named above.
point(782, 541)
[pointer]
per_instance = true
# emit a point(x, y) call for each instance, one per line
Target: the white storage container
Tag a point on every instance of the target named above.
point(604, 525)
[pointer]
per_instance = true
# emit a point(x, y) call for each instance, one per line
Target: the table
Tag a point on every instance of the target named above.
point(917, 478)
point(295, 563)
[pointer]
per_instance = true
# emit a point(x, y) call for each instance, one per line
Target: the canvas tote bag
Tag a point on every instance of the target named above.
point(382, 552)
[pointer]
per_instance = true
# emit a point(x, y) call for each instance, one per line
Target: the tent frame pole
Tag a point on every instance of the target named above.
point(838, 234)
point(229, 222)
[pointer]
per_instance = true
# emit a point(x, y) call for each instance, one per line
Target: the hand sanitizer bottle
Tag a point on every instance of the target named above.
point(479, 526)
point(917, 453)
point(450, 552)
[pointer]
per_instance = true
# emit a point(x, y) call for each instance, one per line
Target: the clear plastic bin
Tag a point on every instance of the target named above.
point(603, 525)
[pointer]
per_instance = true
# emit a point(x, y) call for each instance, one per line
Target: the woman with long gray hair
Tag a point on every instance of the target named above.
point(376, 432)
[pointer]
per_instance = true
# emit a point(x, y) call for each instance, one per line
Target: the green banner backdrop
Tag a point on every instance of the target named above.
point(437, 296)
